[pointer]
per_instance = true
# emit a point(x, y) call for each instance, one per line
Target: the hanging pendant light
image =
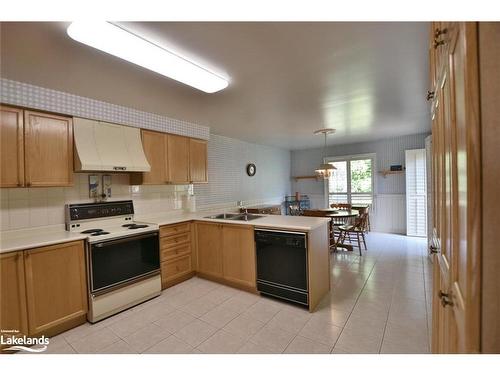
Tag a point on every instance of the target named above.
point(325, 170)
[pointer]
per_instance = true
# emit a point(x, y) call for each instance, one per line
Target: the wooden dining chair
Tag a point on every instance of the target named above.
point(341, 206)
point(354, 232)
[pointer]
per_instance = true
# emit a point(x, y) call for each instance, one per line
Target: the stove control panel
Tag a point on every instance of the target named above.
point(86, 211)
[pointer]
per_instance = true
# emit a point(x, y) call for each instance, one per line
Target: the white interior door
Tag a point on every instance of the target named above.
point(416, 193)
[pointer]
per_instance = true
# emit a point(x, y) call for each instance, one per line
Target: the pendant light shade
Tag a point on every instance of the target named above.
point(325, 170)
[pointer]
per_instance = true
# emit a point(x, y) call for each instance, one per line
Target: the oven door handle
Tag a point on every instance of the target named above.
point(127, 239)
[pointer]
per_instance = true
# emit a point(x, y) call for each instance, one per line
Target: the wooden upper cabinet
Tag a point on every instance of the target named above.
point(209, 246)
point(198, 160)
point(178, 159)
point(56, 287)
point(155, 148)
point(48, 142)
point(238, 254)
point(13, 313)
point(11, 147)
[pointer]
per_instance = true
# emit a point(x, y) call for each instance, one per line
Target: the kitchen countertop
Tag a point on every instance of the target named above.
point(298, 223)
point(22, 239)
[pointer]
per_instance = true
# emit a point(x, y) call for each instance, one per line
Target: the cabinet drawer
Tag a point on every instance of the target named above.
point(174, 252)
point(173, 241)
point(175, 268)
point(169, 230)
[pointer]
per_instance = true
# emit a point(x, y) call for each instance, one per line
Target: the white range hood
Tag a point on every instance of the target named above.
point(101, 146)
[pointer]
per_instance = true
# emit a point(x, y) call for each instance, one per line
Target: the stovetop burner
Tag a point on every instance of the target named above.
point(91, 231)
point(134, 226)
point(101, 233)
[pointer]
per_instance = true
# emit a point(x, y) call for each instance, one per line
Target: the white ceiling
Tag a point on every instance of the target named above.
point(367, 80)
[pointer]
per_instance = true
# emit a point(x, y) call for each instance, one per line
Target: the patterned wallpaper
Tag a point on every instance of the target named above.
point(36, 97)
point(32, 207)
point(388, 152)
point(228, 181)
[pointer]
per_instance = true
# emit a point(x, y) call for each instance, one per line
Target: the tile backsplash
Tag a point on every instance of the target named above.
point(33, 207)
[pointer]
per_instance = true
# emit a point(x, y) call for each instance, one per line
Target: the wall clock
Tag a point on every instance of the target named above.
point(251, 169)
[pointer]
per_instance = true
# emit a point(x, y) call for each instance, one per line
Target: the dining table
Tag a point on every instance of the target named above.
point(336, 215)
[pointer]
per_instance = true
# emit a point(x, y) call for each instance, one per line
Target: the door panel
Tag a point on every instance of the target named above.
point(55, 285)
point(209, 245)
point(198, 160)
point(11, 147)
point(238, 254)
point(178, 159)
point(155, 149)
point(465, 262)
point(456, 170)
point(13, 313)
point(48, 141)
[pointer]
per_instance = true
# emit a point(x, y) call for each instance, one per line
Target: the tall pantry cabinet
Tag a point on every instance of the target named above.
point(464, 137)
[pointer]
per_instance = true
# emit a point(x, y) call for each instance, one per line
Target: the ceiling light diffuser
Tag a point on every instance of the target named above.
point(121, 43)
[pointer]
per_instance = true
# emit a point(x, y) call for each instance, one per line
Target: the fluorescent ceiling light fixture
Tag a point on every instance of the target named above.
point(121, 43)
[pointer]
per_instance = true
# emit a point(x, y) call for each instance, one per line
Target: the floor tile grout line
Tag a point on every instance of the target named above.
point(350, 312)
point(221, 328)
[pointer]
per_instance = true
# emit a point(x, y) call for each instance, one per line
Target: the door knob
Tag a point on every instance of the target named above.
point(439, 32)
point(438, 43)
point(445, 299)
point(433, 249)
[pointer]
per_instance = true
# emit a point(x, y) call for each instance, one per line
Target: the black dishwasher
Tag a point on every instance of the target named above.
point(282, 264)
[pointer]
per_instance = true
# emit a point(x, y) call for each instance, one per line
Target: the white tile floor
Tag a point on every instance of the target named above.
point(379, 303)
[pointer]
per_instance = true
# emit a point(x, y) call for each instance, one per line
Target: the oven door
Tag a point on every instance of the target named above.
point(117, 262)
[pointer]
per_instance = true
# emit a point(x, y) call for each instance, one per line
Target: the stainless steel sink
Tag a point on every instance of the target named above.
point(225, 216)
point(240, 217)
point(246, 217)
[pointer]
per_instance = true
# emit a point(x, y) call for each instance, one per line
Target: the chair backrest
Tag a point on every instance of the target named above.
point(342, 206)
point(360, 222)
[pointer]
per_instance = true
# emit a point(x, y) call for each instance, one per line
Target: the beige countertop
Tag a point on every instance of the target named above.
point(297, 223)
point(22, 239)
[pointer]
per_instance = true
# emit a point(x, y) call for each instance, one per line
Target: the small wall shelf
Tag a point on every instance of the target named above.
point(297, 178)
point(387, 172)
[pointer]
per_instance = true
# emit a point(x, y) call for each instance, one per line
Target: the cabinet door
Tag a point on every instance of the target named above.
point(13, 314)
point(178, 159)
point(209, 248)
point(198, 160)
point(238, 254)
point(56, 287)
point(456, 310)
point(48, 142)
point(155, 145)
point(11, 147)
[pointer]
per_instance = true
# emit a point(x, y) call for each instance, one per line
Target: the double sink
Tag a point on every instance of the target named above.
point(239, 217)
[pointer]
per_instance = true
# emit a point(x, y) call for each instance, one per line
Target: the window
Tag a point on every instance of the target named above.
point(352, 181)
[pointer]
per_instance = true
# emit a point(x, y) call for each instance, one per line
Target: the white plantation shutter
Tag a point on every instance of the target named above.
point(416, 193)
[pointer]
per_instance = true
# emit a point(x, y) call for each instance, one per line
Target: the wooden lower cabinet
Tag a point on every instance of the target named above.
point(226, 252)
point(176, 253)
point(209, 250)
point(238, 254)
point(56, 288)
point(13, 314)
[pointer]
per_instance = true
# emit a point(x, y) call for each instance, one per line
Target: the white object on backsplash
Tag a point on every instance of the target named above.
point(190, 203)
point(93, 186)
point(106, 186)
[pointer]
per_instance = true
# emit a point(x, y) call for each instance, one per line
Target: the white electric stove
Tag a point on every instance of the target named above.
point(122, 256)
